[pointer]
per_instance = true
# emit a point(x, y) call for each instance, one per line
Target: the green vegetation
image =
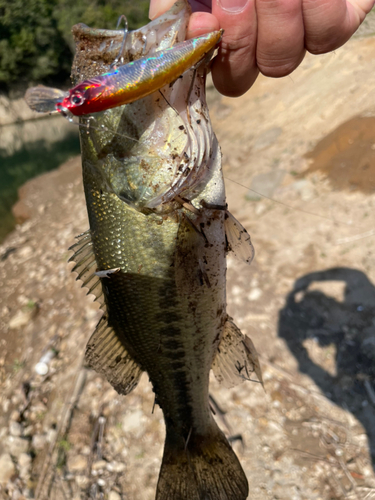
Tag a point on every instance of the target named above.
point(36, 45)
point(17, 365)
point(63, 446)
point(24, 164)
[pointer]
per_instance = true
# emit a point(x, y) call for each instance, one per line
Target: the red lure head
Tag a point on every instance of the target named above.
point(81, 99)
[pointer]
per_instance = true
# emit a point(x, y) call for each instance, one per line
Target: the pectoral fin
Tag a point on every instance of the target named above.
point(106, 354)
point(238, 239)
point(236, 357)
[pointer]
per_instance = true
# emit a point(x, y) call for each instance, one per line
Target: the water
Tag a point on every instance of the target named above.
point(29, 149)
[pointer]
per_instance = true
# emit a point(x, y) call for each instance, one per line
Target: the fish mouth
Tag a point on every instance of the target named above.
point(159, 148)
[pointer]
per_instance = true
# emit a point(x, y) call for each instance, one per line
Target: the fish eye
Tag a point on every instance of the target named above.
point(76, 99)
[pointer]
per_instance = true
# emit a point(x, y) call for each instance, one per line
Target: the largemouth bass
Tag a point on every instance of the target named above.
point(155, 258)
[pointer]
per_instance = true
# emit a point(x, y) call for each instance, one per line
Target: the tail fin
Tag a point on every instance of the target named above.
point(44, 99)
point(207, 469)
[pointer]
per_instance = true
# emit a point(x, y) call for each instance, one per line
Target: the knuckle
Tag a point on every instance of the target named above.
point(324, 43)
point(277, 68)
point(326, 25)
point(238, 43)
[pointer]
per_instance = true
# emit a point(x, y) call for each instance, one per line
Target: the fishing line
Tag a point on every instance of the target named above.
point(89, 126)
point(286, 205)
point(291, 206)
point(102, 128)
point(169, 104)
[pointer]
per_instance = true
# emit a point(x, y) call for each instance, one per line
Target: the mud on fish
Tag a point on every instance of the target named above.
point(155, 257)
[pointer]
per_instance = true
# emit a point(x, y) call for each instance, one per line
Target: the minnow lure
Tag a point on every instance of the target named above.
point(126, 83)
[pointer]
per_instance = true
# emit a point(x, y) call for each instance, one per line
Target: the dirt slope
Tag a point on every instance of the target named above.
point(307, 301)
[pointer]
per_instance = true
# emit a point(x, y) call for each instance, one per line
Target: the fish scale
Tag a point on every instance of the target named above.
point(129, 292)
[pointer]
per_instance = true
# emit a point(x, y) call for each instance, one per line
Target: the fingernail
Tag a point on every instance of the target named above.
point(234, 6)
point(153, 10)
point(158, 7)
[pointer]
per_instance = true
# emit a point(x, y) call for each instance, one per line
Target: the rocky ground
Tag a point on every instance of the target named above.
point(306, 142)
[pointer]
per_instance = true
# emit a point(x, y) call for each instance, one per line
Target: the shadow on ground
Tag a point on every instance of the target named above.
point(328, 323)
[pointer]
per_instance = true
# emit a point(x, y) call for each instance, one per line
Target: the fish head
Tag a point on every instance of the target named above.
point(158, 148)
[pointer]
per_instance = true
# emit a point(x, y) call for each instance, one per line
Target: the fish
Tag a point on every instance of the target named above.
point(154, 257)
point(125, 83)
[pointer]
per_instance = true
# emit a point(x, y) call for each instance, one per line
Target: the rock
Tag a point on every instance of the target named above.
point(86, 450)
point(21, 212)
point(82, 481)
point(267, 138)
point(77, 463)
point(24, 316)
point(255, 294)
point(305, 189)
point(113, 495)
point(28, 431)
point(24, 465)
point(38, 441)
point(15, 416)
point(5, 405)
point(51, 435)
point(15, 429)
point(25, 252)
point(116, 467)
point(265, 184)
point(100, 464)
point(7, 468)
point(17, 445)
point(132, 421)
point(24, 460)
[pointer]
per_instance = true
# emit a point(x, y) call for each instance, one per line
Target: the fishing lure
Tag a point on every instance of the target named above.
point(126, 83)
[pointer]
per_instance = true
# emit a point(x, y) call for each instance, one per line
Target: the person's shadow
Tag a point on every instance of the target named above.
point(346, 323)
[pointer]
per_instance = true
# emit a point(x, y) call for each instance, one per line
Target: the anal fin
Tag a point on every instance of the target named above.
point(236, 357)
point(106, 354)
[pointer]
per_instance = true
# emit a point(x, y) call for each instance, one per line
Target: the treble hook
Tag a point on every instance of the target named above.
point(126, 30)
point(144, 40)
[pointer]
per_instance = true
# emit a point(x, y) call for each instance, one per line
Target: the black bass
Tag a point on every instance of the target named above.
point(155, 257)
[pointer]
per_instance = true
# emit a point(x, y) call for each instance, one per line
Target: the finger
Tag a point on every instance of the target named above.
point(200, 5)
point(330, 23)
point(234, 69)
point(280, 47)
point(158, 7)
point(201, 23)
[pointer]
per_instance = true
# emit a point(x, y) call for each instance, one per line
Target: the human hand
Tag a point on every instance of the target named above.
point(270, 36)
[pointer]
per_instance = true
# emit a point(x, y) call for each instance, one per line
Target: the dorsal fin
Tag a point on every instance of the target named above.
point(236, 357)
point(238, 239)
point(106, 354)
point(85, 266)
